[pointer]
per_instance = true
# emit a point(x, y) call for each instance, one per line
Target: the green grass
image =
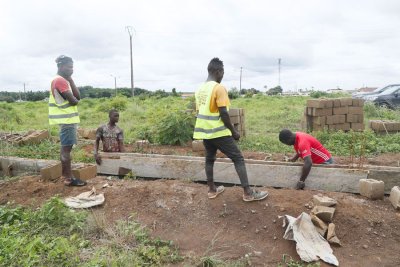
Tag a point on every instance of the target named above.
point(55, 235)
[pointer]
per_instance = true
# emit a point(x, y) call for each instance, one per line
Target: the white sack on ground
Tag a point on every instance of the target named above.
point(85, 200)
point(310, 245)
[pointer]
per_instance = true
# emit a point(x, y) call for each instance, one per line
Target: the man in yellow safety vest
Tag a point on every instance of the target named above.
point(214, 126)
point(63, 111)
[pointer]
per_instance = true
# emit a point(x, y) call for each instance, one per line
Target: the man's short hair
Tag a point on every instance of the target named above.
point(112, 111)
point(285, 135)
point(62, 60)
point(215, 65)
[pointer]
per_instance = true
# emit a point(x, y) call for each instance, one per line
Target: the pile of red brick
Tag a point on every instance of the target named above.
point(335, 114)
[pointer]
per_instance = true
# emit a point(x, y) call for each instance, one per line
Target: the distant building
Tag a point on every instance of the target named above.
point(366, 89)
point(187, 94)
point(336, 90)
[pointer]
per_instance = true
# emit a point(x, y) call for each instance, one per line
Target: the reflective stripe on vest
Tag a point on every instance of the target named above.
point(63, 113)
point(208, 124)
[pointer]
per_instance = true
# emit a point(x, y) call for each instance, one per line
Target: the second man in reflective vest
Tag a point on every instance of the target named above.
point(213, 125)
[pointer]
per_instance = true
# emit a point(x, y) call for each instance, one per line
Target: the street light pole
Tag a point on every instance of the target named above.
point(240, 82)
point(130, 31)
point(115, 83)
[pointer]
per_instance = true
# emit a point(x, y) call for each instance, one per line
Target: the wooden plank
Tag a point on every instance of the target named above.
point(192, 168)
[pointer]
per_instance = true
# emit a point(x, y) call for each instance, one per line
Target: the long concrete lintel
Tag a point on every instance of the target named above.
point(260, 172)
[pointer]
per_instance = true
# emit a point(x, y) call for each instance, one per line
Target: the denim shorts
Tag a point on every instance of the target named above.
point(68, 134)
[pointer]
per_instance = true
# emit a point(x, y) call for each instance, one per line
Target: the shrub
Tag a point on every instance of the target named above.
point(175, 128)
point(119, 103)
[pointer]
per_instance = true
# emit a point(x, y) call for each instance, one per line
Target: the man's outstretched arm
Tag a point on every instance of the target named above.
point(304, 172)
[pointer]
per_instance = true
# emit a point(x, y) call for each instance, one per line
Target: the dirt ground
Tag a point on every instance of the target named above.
point(227, 227)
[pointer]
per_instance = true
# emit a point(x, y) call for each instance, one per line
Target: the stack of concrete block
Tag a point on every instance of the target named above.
point(335, 114)
point(322, 215)
point(238, 120)
point(384, 126)
point(31, 137)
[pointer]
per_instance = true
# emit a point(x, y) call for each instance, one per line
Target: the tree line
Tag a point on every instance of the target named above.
point(86, 92)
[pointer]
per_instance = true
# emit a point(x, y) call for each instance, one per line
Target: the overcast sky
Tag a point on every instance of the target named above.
point(322, 44)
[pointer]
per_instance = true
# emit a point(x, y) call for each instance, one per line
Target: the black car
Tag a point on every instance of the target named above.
point(389, 98)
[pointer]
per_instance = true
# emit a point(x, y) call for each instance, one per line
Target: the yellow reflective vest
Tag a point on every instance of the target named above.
point(62, 113)
point(208, 124)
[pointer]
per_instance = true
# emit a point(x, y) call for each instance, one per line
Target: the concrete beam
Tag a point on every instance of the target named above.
point(260, 173)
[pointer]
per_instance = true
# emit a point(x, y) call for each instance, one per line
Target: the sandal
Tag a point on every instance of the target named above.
point(74, 182)
point(220, 189)
point(256, 195)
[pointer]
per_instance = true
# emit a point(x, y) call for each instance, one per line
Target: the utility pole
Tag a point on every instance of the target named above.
point(279, 71)
point(115, 83)
point(24, 92)
point(240, 84)
point(130, 32)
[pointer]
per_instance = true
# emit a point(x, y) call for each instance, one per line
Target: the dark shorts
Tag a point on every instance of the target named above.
point(226, 145)
point(68, 134)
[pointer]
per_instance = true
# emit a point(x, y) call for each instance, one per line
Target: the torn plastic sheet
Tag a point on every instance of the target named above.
point(310, 245)
point(85, 200)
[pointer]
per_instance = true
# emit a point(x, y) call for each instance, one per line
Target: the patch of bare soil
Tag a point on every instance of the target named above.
point(227, 226)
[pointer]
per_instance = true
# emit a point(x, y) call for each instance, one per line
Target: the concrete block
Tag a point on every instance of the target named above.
point(357, 126)
point(51, 172)
point(341, 110)
point(343, 126)
point(316, 103)
point(321, 226)
point(359, 118)
point(341, 118)
point(358, 102)
point(329, 103)
point(85, 171)
point(235, 119)
point(324, 213)
point(395, 197)
point(35, 137)
point(345, 102)
point(81, 132)
point(318, 112)
point(320, 200)
point(331, 235)
point(355, 110)
point(372, 189)
point(197, 145)
point(92, 134)
point(234, 112)
point(318, 127)
point(336, 103)
point(319, 120)
point(330, 120)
